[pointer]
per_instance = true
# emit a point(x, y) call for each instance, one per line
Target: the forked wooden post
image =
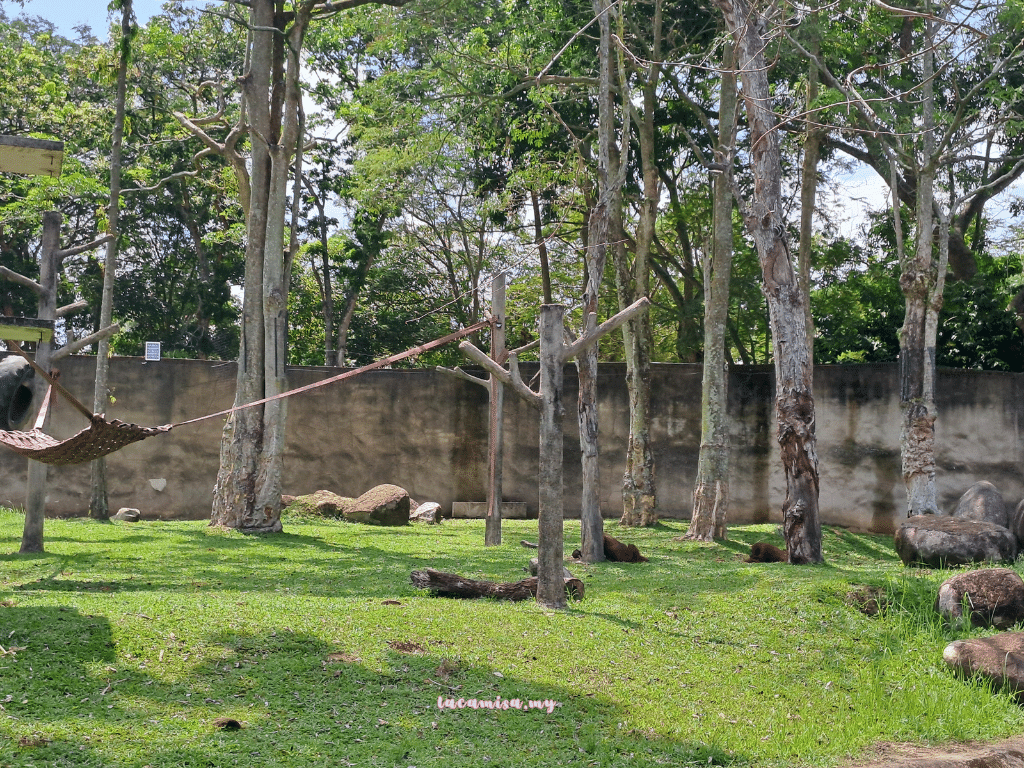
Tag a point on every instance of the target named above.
point(51, 257)
point(550, 549)
point(554, 352)
point(496, 402)
point(35, 502)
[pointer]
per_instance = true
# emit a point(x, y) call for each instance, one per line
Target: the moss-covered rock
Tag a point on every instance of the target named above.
point(318, 504)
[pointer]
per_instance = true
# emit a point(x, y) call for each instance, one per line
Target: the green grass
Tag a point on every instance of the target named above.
point(123, 644)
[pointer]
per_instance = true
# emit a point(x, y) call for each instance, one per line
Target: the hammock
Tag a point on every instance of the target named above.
point(103, 437)
point(98, 439)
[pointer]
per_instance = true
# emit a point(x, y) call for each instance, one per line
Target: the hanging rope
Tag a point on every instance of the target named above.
point(103, 437)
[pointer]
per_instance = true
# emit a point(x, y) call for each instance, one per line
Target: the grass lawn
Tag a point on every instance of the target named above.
point(125, 643)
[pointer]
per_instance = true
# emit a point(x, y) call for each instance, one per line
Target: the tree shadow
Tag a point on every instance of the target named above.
point(302, 701)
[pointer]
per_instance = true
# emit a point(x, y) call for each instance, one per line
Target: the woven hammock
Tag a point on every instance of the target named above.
point(98, 439)
point(102, 437)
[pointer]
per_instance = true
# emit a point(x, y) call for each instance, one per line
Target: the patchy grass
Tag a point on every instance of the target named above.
point(147, 644)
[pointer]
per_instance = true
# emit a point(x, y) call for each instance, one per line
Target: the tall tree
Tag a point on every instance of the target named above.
point(99, 508)
point(913, 132)
point(794, 368)
point(639, 496)
point(711, 490)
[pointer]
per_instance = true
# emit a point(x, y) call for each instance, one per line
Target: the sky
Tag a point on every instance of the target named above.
point(67, 14)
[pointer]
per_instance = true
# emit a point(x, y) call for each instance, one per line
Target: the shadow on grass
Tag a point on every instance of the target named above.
point(301, 701)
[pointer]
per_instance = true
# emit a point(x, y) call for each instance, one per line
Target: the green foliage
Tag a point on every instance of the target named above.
point(124, 645)
point(976, 330)
point(857, 303)
point(858, 307)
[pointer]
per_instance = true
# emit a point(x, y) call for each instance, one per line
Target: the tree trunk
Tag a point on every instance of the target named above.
point(550, 552)
point(639, 497)
point(917, 351)
point(591, 519)
point(711, 491)
point(241, 498)
point(794, 368)
point(99, 508)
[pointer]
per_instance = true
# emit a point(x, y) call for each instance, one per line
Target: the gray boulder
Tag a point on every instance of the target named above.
point(982, 501)
point(999, 658)
point(944, 541)
point(994, 597)
point(381, 505)
point(128, 515)
point(428, 512)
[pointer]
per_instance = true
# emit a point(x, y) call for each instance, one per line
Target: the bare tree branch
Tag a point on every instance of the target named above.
point(75, 346)
point(84, 247)
point(70, 309)
point(14, 277)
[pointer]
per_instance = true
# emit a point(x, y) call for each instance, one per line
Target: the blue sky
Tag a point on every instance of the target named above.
point(67, 14)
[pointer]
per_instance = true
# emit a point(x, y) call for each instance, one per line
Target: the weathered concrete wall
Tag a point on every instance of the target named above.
point(427, 432)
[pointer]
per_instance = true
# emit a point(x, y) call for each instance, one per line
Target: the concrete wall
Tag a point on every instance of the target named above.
point(427, 432)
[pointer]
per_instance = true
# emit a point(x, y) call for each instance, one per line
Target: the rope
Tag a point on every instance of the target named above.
point(347, 374)
point(102, 437)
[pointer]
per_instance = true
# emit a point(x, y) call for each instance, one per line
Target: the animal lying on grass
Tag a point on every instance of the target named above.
point(617, 552)
point(763, 552)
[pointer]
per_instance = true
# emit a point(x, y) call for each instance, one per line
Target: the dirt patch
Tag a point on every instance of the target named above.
point(868, 600)
point(1003, 754)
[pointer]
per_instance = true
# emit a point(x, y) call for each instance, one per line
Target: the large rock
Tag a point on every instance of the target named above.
point(982, 501)
point(320, 503)
point(944, 541)
point(428, 512)
point(381, 505)
point(993, 596)
point(999, 658)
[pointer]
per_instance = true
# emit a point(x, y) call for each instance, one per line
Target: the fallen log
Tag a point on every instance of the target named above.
point(452, 585)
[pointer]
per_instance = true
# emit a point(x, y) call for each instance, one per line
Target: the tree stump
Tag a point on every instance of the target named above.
point(444, 584)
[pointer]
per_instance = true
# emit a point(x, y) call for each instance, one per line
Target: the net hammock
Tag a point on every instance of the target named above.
point(104, 437)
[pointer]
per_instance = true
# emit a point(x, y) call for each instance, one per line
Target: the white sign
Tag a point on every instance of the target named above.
point(152, 351)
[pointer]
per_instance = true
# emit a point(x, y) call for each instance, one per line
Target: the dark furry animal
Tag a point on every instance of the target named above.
point(617, 552)
point(763, 552)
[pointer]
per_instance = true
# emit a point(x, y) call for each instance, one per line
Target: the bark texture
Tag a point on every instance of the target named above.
point(922, 281)
point(591, 519)
point(247, 495)
point(711, 490)
point(794, 403)
point(639, 494)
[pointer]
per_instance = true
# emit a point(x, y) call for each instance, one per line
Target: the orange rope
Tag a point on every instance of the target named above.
point(347, 374)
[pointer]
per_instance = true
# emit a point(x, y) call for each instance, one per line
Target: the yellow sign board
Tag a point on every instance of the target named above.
point(34, 157)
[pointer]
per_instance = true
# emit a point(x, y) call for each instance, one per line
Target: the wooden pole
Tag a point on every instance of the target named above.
point(550, 552)
point(496, 390)
point(553, 354)
point(35, 503)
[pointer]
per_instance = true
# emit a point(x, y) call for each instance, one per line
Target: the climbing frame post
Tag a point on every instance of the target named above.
point(35, 502)
point(496, 406)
